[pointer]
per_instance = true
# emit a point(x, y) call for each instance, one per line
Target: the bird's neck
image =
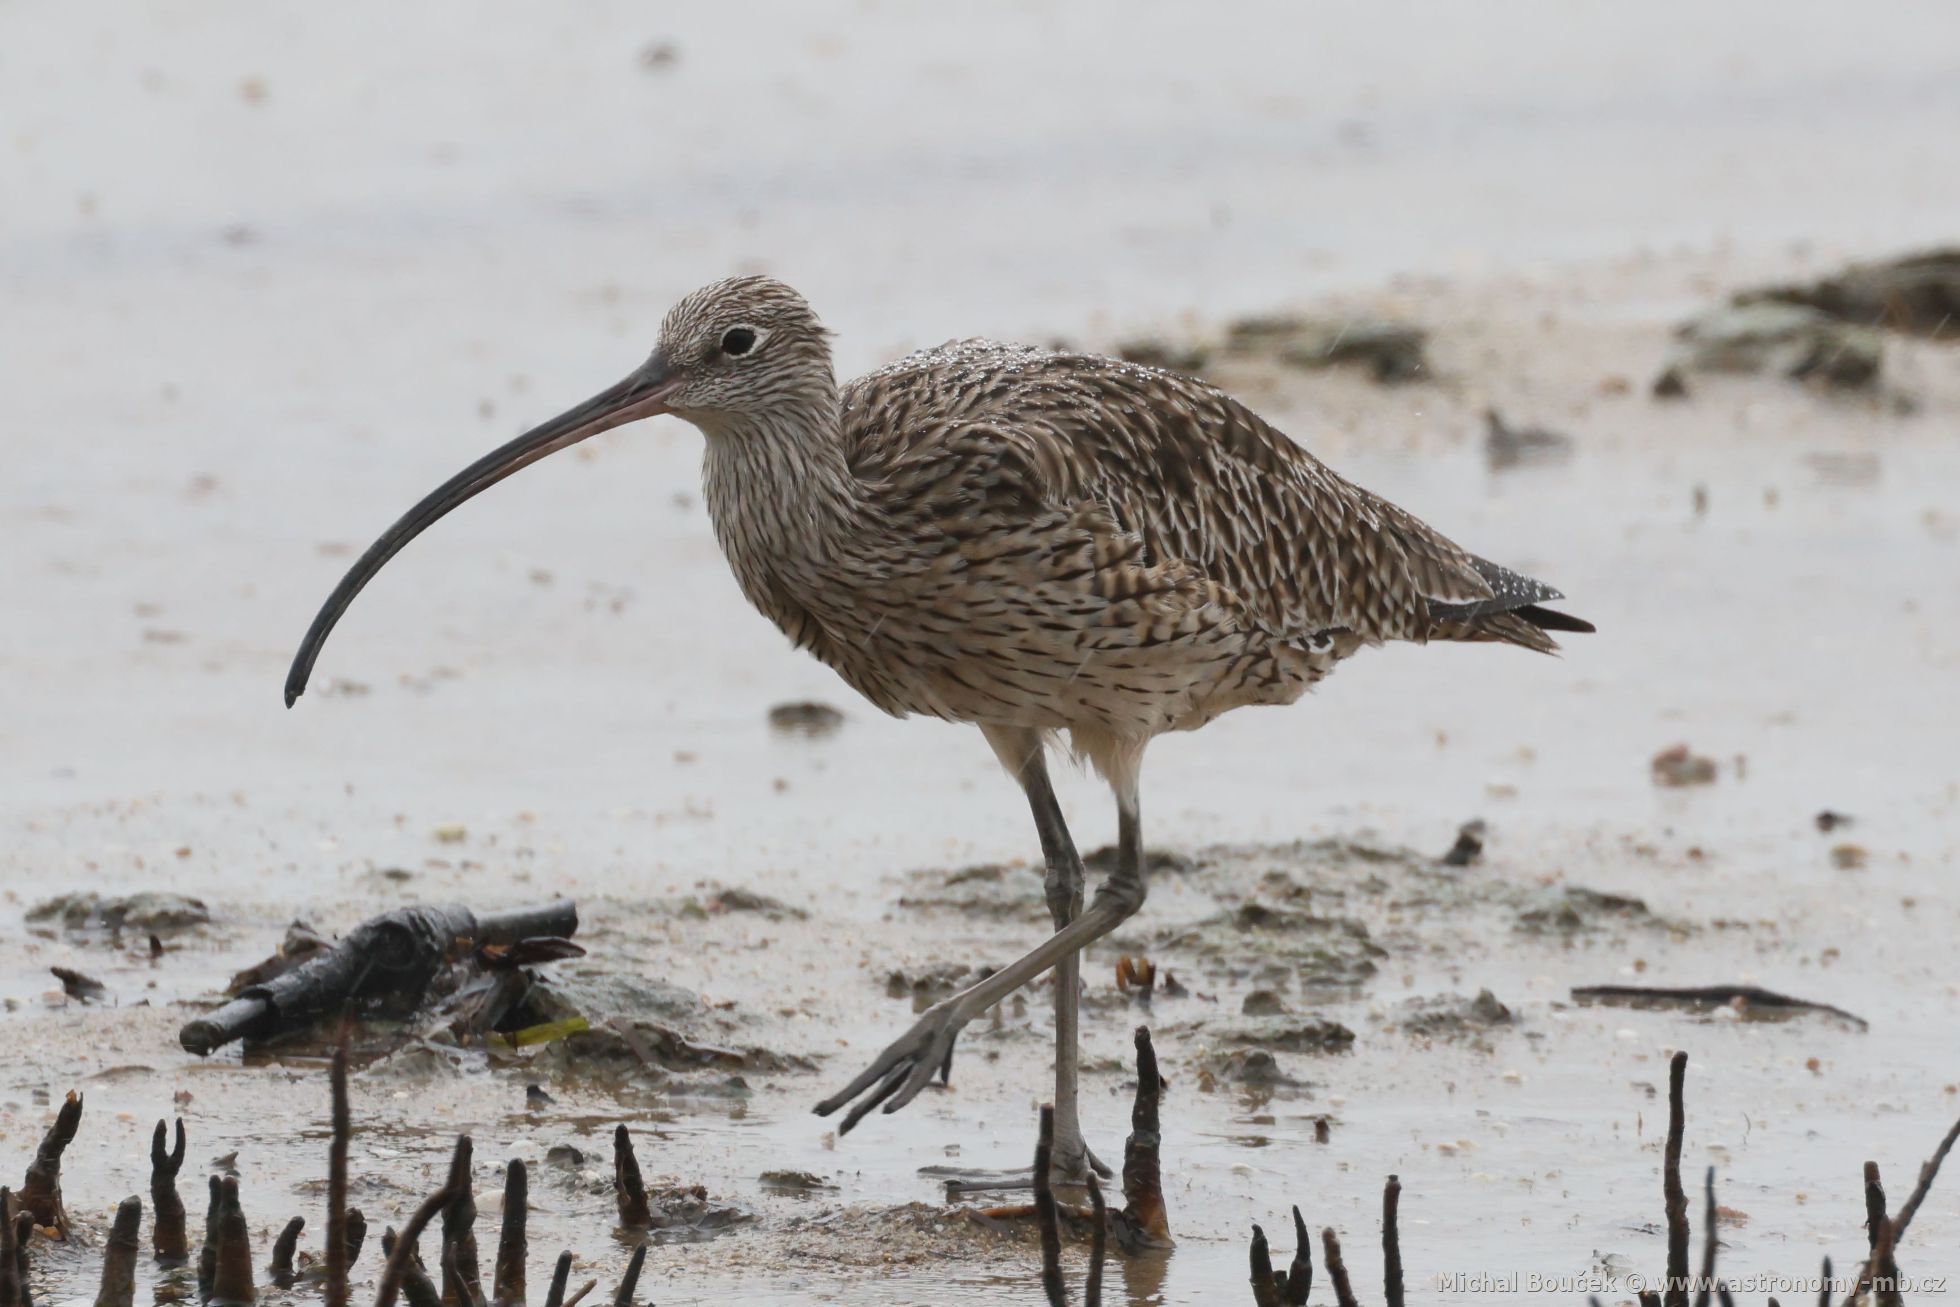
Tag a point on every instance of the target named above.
point(785, 506)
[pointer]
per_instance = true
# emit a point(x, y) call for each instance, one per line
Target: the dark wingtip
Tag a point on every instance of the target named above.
point(1547, 619)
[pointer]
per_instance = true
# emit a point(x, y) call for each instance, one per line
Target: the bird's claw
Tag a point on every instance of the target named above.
point(903, 1069)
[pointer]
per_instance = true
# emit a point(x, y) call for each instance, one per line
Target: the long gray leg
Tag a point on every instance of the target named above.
point(906, 1067)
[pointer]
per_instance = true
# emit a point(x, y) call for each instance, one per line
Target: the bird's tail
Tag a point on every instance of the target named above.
point(1514, 614)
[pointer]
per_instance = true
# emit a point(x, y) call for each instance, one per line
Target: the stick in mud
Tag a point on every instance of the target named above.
point(1874, 1204)
point(629, 1284)
point(460, 1279)
point(340, 1244)
point(40, 1192)
point(555, 1295)
point(1675, 1197)
point(231, 1280)
point(281, 1272)
point(1710, 996)
point(628, 1186)
point(1337, 1275)
point(578, 1294)
point(207, 1257)
point(1044, 1211)
point(513, 1244)
point(12, 1282)
point(417, 1289)
point(1143, 1181)
point(119, 1257)
point(167, 1236)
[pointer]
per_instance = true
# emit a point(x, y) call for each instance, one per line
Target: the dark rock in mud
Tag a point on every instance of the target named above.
point(1918, 294)
point(1577, 909)
point(793, 1182)
point(1469, 847)
point(153, 912)
point(1263, 1003)
point(1789, 340)
point(737, 899)
point(1391, 351)
point(641, 1023)
point(806, 718)
point(1288, 1035)
point(1253, 1068)
point(1678, 767)
point(1452, 1016)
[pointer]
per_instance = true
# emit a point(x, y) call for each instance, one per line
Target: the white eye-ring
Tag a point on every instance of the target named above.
point(742, 339)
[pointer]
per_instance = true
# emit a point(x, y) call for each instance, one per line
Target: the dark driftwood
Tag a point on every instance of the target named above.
point(167, 1236)
point(1708, 996)
point(40, 1192)
point(395, 955)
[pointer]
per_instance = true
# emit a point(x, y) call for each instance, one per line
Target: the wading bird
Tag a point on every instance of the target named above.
point(1033, 542)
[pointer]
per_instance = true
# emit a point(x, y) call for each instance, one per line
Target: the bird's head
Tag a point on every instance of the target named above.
point(733, 356)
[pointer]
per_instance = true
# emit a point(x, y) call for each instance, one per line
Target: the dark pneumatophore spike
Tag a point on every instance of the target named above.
point(340, 1243)
point(281, 1272)
point(356, 1238)
point(1299, 1276)
point(629, 1284)
point(40, 1192)
point(1265, 1289)
point(23, 1236)
point(555, 1295)
point(628, 1186)
point(1143, 1177)
point(1330, 1246)
point(1098, 1243)
point(119, 1257)
point(1045, 1215)
point(168, 1238)
point(416, 1289)
point(1705, 1285)
point(460, 1279)
point(1391, 1243)
point(13, 1284)
point(403, 1253)
point(231, 1281)
point(513, 1243)
point(1672, 1193)
point(207, 1256)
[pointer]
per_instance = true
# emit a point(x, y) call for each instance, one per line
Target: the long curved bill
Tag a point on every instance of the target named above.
point(643, 394)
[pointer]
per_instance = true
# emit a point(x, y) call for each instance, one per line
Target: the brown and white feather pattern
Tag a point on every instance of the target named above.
point(1020, 538)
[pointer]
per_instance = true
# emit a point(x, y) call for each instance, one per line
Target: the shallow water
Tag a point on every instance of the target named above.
point(422, 259)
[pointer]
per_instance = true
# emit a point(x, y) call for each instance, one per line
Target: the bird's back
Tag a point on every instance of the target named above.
point(1202, 483)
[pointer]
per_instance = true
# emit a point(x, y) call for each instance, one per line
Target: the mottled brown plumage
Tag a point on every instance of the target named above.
point(1033, 542)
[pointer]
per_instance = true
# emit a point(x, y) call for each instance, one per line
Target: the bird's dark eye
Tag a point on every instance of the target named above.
point(738, 340)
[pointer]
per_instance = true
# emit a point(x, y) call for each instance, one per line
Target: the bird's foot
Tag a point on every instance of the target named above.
point(905, 1068)
point(1067, 1169)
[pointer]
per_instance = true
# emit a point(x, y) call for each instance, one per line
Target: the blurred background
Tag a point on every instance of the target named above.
point(269, 272)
